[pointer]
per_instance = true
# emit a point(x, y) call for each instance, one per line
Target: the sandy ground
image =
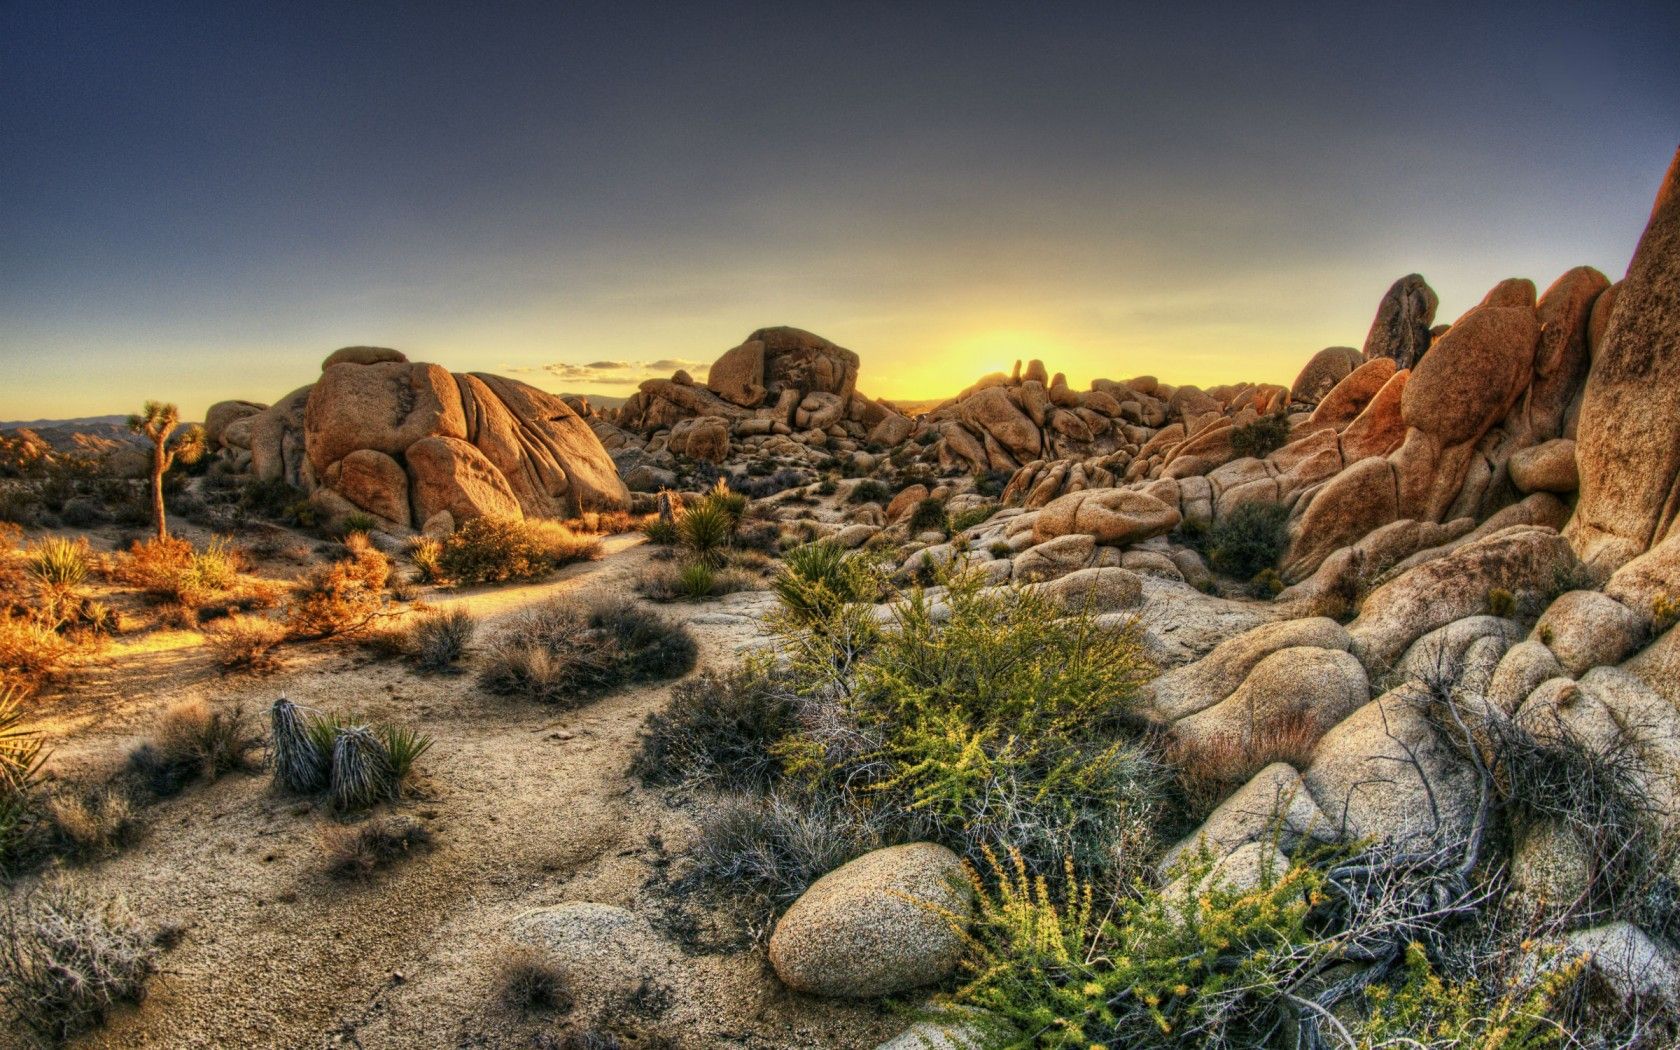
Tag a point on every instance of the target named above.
point(531, 807)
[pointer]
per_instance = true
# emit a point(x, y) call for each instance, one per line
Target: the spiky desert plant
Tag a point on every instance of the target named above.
point(300, 763)
point(403, 747)
point(361, 769)
point(21, 757)
point(156, 422)
point(59, 563)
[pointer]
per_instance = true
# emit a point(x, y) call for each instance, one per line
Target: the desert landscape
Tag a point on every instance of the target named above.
point(429, 709)
point(839, 527)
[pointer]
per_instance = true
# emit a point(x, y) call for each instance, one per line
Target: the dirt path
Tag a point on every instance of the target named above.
point(531, 806)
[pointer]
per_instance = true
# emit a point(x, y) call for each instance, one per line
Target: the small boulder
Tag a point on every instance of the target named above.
point(1100, 590)
point(900, 506)
point(362, 355)
point(875, 926)
point(1546, 467)
point(1115, 517)
point(1587, 629)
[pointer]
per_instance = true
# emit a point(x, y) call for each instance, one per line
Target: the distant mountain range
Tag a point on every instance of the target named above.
point(61, 434)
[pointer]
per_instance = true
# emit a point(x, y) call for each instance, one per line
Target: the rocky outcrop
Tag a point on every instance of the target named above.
point(1400, 331)
point(1628, 437)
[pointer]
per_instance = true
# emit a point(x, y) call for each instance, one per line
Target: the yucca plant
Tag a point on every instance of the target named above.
point(695, 581)
point(403, 747)
point(818, 578)
point(21, 756)
point(59, 563)
point(732, 503)
point(300, 762)
point(361, 769)
point(705, 529)
point(662, 532)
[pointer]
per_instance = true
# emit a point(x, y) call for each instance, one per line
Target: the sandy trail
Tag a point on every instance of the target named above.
point(531, 806)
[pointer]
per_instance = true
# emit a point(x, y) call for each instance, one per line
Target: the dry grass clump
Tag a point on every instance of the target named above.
point(1213, 770)
point(605, 522)
point(501, 550)
point(29, 649)
point(93, 823)
point(531, 982)
point(561, 654)
point(693, 582)
point(361, 851)
point(721, 729)
point(21, 757)
point(342, 598)
point(173, 573)
point(67, 959)
point(193, 742)
point(242, 642)
point(439, 640)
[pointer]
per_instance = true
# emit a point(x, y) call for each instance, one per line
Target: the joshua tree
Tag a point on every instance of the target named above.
point(157, 423)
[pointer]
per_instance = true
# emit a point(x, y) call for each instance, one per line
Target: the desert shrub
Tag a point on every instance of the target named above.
point(720, 729)
point(67, 959)
point(193, 741)
point(427, 555)
point(561, 654)
point(341, 598)
point(704, 529)
point(93, 822)
point(403, 747)
point(817, 579)
point(171, 570)
point(361, 851)
point(997, 721)
point(245, 642)
point(770, 482)
point(774, 846)
point(691, 581)
point(21, 757)
point(929, 516)
point(1210, 772)
point(731, 503)
point(973, 516)
point(1262, 437)
point(301, 764)
point(270, 498)
point(869, 490)
point(1248, 540)
point(531, 982)
point(59, 563)
point(29, 650)
point(440, 639)
point(1000, 549)
point(991, 483)
point(1423, 1010)
point(661, 532)
point(356, 521)
point(1267, 583)
point(501, 550)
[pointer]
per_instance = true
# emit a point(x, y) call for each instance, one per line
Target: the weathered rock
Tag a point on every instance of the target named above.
point(374, 482)
point(447, 473)
point(1385, 773)
point(874, 926)
point(1273, 802)
point(1349, 397)
point(1587, 629)
point(277, 439)
point(1522, 559)
point(1116, 517)
point(1327, 368)
point(1354, 503)
point(1547, 467)
point(606, 952)
point(994, 412)
point(552, 459)
point(363, 355)
point(1629, 964)
point(1465, 652)
point(1098, 590)
point(905, 501)
point(1400, 330)
point(1054, 558)
point(1521, 670)
point(386, 406)
point(738, 375)
point(705, 438)
point(1628, 436)
point(1299, 693)
point(1560, 362)
point(221, 414)
point(1183, 691)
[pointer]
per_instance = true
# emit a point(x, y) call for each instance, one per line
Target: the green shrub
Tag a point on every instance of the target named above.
point(501, 550)
point(67, 958)
point(929, 515)
point(691, 581)
point(720, 729)
point(1501, 603)
point(1262, 437)
point(704, 529)
point(403, 747)
point(1248, 540)
point(662, 532)
point(816, 579)
point(427, 555)
point(59, 563)
point(973, 516)
point(356, 521)
point(869, 490)
point(1267, 583)
point(562, 654)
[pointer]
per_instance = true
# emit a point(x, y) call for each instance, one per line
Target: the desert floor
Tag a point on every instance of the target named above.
point(531, 806)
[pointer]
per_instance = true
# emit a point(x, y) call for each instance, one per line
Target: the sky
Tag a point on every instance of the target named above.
point(201, 201)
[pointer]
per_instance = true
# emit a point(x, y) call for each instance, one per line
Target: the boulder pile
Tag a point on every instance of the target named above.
point(415, 446)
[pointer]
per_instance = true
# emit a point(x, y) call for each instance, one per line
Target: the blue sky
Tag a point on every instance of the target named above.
point(200, 201)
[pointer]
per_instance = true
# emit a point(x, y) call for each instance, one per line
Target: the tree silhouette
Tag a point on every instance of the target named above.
point(156, 423)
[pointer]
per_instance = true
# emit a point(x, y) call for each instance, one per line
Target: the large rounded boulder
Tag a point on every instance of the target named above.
point(876, 926)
